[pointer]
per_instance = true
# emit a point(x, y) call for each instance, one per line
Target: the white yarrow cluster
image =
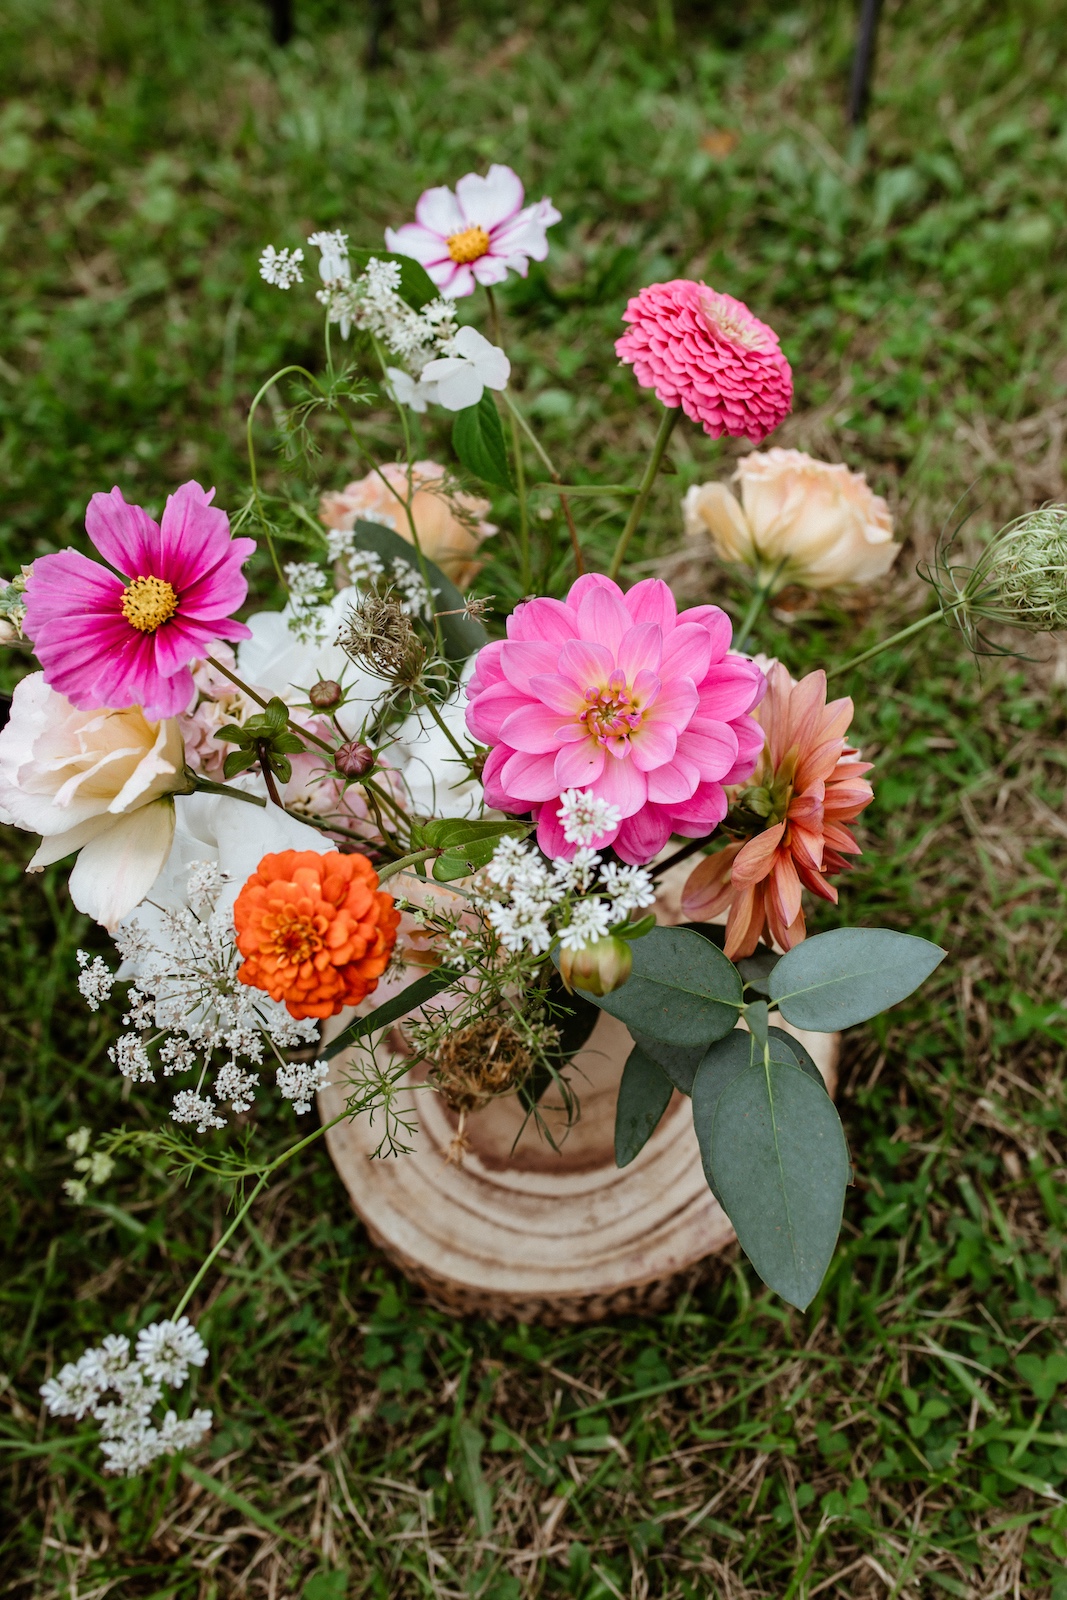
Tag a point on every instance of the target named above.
point(536, 901)
point(281, 267)
point(309, 619)
point(300, 1081)
point(94, 980)
point(585, 817)
point(129, 1438)
point(187, 1000)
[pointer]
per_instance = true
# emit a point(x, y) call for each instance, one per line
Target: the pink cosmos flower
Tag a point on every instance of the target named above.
point(105, 640)
point(707, 353)
point(618, 694)
point(476, 235)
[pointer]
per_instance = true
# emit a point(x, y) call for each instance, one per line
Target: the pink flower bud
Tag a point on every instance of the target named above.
point(325, 694)
point(354, 760)
point(598, 968)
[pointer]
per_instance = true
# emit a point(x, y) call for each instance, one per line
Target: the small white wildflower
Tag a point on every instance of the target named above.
point(203, 884)
point(306, 581)
point(76, 1190)
point(166, 1350)
point(300, 1081)
point(109, 1359)
point(415, 599)
point(333, 251)
point(585, 816)
point(590, 921)
point(78, 1142)
point(94, 980)
point(189, 1107)
point(182, 1435)
point(75, 1389)
point(579, 872)
point(520, 924)
point(130, 1056)
point(177, 1055)
point(628, 888)
point(281, 267)
point(236, 1085)
point(508, 858)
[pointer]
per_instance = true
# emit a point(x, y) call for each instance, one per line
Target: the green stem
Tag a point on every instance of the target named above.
point(265, 1177)
point(759, 599)
point(282, 373)
point(406, 861)
point(525, 577)
point(895, 638)
point(208, 786)
point(294, 727)
point(666, 428)
point(447, 731)
point(517, 416)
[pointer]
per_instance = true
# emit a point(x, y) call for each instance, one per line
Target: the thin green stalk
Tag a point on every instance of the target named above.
point(208, 786)
point(282, 373)
point(446, 730)
point(666, 428)
point(265, 1176)
point(302, 733)
point(517, 416)
point(405, 861)
point(525, 577)
point(895, 638)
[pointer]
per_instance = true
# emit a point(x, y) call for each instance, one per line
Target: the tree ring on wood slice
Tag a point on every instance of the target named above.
point(520, 1230)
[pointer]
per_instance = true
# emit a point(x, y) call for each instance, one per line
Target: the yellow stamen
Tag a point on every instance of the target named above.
point(148, 602)
point(468, 245)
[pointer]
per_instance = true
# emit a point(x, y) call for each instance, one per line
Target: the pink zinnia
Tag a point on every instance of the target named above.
point(476, 235)
point(618, 694)
point(105, 640)
point(707, 353)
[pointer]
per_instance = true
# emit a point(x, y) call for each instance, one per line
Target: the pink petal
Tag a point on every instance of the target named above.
point(590, 665)
point(543, 621)
point(729, 690)
point(562, 694)
point(711, 745)
point(528, 777)
point(603, 617)
point(642, 836)
point(585, 584)
point(674, 783)
point(439, 212)
point(550, 834)
point(716, 622)
point(495, 795)
point(63, 585)
point(702, 813)
point(488, 270)
point(653, 745)
point(421, 244)
point(620, 784)
point(487, 202)
point(579, 765)
point(652, 601)
point(534, 728)
point(749, 737)
point(640, 650)
point(687, 653)
point(675, 703)
point(124, 535)
point(487, 713)
point(195, 538)
point(520, 660)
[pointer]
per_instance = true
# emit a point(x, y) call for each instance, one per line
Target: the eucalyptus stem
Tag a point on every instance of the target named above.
point(896, 638)
point(666, 428)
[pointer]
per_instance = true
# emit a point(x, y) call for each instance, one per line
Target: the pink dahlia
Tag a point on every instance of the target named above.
point(476, 235)
point(707, 353)
point(619, 695)
point(106, 640)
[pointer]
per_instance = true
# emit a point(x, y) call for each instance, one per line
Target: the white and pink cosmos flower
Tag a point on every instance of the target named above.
point(477, 235)
point(619, 695)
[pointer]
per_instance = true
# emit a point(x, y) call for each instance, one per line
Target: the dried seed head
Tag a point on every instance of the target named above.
point(479, 1061)
point(325, 694)
point(378, 635)
point(1024, 572)
point(354, 760)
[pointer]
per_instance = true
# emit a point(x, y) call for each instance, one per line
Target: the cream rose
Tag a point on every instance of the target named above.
point(98, 782)
point(450, 524)
point(799, 520)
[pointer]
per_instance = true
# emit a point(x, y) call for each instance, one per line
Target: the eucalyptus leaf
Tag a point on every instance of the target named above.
point(778, 1155)
point(461, 635)
point(840, 978)
point(794, 1047)
point(679, 1062)
point(682, 990)
point(756, 969)
point(644, 1095)
point(478, 440)
point(718, 1066)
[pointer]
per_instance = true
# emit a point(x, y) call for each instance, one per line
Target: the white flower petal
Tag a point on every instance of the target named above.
point(115, 870)
point(487, 202)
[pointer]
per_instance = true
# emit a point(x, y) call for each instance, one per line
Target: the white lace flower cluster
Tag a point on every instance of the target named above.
point(310, 618)
point(96, 1166)
point(130, 1439)
point(543, 901)
point(186, 999)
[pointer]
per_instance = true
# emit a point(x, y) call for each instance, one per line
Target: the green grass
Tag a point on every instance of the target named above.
point(907, 1436)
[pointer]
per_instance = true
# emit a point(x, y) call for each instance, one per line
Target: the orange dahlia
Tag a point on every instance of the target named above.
point(808, 784)
point(315, 930)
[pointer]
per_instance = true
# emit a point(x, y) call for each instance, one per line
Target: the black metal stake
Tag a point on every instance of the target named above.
point(863, 61)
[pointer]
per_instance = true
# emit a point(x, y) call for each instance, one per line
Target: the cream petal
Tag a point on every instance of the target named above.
point(116, 870)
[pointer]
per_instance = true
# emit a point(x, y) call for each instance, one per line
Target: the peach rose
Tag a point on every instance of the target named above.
point(799, 520)
point(451, 524)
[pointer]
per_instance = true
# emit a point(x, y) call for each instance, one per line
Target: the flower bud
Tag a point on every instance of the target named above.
point(598, 968)
point(325, 694)
point(354, 760)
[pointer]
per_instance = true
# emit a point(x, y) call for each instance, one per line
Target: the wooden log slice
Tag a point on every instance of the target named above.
point(521, 1231)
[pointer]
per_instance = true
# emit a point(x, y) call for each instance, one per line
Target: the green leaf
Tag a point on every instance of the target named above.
point(470, 1442)
point(326, 1585)
point(844, 977)
point(680, 1064)
point(462, 635)
point(778, 1155)
point(478, 440)
point(416, 994)
point(718, 1067)
point(238, 761)
point(416, 285)
point(461, 863)
point(756, 969)
point(452, 832)
point(644, 1095)
point(795, 1049)
point(682, 990)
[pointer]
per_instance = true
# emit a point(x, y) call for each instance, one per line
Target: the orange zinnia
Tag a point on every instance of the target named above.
point(808, 784)
point(315, 930)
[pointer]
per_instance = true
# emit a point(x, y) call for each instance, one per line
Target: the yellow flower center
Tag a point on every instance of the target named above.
point(147, 603)
point(729, 322)
point(611, 713)
point(468, 245)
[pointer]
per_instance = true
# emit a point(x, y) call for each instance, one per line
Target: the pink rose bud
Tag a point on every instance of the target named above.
point(354, 760)
point(325, 694)
point(598, 968)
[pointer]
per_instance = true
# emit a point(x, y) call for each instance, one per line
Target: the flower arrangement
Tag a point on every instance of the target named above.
point(368, 807)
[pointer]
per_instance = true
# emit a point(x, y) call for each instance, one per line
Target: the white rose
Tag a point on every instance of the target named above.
point(799, 520)
point(99, 782)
